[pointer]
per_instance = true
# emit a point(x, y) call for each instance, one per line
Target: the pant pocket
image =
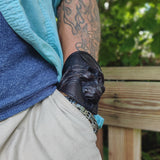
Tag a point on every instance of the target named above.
point(78, 118)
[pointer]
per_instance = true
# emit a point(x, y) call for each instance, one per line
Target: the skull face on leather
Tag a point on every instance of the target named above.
point(83, 80)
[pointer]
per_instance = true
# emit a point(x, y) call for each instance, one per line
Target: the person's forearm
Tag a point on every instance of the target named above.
point(79, 27)
point(79, 30)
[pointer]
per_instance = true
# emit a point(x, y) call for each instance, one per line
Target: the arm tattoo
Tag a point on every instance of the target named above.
point(83, 19)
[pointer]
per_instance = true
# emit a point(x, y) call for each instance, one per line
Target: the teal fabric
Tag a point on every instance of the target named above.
point(36, 24)
point(100, 120)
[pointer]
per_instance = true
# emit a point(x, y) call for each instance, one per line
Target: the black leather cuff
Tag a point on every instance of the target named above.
point(82, 80)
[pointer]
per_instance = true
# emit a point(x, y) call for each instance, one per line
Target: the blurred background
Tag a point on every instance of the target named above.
point(131, 37)
point(130, 32)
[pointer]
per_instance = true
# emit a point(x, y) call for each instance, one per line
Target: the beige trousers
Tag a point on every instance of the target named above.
point(51, 130)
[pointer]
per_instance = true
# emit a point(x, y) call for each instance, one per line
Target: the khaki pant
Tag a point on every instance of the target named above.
point(51, 130)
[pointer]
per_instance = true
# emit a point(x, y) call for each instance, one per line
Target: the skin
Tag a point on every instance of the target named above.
point(79, 30)
point(79, 27)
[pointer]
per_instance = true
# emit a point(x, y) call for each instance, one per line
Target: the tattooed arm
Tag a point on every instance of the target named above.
point(79, 30)
point(79, 26)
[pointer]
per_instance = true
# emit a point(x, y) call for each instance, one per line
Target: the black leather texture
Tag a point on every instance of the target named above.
point(83, 80)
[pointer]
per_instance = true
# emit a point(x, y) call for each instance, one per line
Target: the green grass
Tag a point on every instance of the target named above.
point(105, 153)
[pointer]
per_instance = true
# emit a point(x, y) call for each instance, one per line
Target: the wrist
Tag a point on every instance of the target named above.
point(82, 80)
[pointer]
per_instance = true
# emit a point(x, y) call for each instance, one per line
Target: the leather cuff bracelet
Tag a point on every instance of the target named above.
point(82, 80)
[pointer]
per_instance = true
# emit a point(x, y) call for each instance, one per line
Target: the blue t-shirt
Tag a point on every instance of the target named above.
point(30, 54)
point(35, 22)
point(25, 77)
